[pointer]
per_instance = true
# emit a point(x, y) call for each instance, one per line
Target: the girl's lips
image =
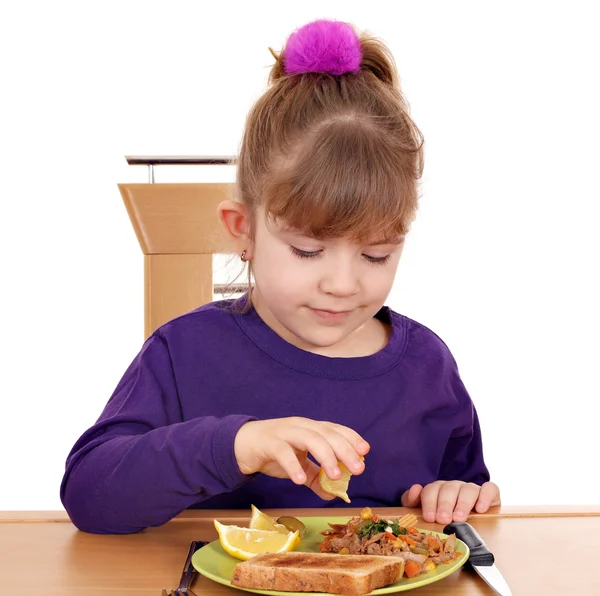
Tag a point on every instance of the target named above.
point(331, 315)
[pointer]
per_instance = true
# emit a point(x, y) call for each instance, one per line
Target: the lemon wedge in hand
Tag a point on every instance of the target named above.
point(262, 521)
point(244, 543)
point(339, 487)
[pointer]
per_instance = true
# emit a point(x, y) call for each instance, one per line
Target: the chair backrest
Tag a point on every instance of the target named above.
point(179, 232)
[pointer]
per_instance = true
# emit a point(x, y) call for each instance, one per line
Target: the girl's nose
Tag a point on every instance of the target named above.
point(340, 280)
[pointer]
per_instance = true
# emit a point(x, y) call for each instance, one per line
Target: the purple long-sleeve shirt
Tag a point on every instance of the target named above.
point(164, 441)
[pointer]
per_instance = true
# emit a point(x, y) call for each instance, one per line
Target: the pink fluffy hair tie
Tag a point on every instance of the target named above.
point(332, 47)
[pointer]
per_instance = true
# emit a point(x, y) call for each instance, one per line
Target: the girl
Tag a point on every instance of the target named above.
point(226, 404)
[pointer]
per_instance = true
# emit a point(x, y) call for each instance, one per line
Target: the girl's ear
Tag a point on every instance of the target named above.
point(236, 222)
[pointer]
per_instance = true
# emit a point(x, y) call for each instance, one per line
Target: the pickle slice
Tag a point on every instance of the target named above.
point(293, 524)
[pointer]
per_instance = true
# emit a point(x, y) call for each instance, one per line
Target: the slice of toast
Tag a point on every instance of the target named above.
point(318, 572)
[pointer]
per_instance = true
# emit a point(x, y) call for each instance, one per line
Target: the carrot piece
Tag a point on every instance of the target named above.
point(413, 531)
point(407, 539)
point(323, 546)
point(411, 569)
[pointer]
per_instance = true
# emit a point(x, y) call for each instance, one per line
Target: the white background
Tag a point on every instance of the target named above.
point(502, 261)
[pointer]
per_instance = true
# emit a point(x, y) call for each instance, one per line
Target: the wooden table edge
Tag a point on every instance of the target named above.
point(233, 516)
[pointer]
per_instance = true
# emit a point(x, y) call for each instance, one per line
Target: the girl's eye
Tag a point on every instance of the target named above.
point(377, 260)
point(304, 254)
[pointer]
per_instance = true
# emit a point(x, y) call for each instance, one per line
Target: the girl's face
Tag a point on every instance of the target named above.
point(321, 295)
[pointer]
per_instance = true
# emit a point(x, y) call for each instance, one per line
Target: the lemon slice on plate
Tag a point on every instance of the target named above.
point(262, 521)
point(339, 487)
point(244, 543)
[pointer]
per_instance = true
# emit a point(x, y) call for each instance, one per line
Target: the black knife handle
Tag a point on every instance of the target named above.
point(480, 555)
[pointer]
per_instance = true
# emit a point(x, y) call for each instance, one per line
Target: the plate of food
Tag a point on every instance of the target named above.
point(370, 553)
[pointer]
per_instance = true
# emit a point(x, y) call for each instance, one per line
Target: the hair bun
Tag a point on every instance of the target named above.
point(331, 47)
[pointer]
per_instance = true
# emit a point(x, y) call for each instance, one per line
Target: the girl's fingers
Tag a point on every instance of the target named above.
point(286, 457)
point(329, 444)
point(447, 498)
point(347, 445)
point(344, 450)
point(429, 500)
point(360, 445)
point(489, 496)
point(312, 481)
point(467, 498)
point(412, 497)
point(309, 441)
point(286, 443)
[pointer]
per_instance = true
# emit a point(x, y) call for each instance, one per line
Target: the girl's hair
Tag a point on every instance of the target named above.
point(333, 155)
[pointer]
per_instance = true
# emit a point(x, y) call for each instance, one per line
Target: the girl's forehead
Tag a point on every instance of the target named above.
point(365, 237)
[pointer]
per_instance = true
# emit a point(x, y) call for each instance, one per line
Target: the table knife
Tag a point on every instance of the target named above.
point(189, 572)
point(480, 558)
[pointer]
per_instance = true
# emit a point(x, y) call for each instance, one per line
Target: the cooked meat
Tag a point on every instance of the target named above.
point(450, 545)
point(369, 535)
point(408, 556)
point(375, 538)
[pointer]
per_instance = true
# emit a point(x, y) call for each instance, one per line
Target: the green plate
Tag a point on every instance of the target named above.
point(213, 562)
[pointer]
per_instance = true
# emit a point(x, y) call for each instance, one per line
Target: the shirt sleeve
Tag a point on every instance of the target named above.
point(141, 464)
point(463, 456)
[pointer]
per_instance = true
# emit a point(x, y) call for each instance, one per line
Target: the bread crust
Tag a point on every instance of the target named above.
point(318, 572)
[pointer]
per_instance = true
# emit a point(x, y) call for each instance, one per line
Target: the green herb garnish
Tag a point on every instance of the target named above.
point(369, 529)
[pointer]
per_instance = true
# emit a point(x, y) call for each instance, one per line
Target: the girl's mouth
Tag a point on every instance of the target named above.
point(331, 315)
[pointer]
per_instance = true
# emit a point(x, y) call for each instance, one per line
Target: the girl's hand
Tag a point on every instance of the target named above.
point(280, 448)
point(444, 502)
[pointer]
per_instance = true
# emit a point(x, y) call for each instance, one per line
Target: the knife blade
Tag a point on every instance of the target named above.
point(480, 558)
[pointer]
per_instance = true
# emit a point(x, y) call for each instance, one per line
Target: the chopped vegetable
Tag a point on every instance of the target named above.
point(433, 542)
point(371, 534)
point(408, 540)
point(411, 569)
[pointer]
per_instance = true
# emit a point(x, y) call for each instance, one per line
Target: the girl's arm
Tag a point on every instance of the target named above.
point(141, 464)
point(463, 479)
point(463, 457)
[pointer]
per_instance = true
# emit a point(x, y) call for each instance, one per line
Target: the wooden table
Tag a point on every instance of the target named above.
point(540, 551)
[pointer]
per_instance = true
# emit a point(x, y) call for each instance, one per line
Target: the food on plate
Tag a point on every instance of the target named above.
point(370, 534)
point(370, 538)
point(262, 521)
point(284, 524)
point(318, 572)
point(339, 487)
point(244, 543)
point(293, 524)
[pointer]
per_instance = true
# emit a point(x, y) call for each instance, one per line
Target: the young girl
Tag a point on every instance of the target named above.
point(241, 402)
